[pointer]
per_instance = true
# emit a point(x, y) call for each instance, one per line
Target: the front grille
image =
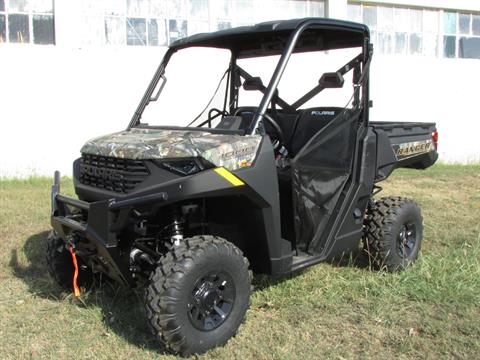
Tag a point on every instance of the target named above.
point(118, 175)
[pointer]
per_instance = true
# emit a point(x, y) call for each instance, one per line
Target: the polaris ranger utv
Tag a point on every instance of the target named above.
point(273, 187)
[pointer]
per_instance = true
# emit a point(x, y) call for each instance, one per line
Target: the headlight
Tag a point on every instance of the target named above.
point(185, 166)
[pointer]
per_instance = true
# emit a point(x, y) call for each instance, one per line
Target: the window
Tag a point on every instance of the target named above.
point(43, 29)
point(476, 24)
point(177, 29)
point(414, 31)
point(3, 29)
point(156, 32)
point(400, 43)
point(469, 47)
point(136, 31)
point(464, 23)
point(198, 18)
point(449, 46)
point(27, 22)
point(114, 30)
point(370, 16)
point(18, 28)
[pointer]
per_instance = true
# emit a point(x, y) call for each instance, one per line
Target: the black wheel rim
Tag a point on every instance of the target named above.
point(407, 238)
point(211, 301)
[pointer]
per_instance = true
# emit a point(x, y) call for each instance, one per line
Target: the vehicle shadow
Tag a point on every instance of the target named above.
point(121, 308)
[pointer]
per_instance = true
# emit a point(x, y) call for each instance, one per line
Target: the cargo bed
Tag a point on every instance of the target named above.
point(404, 144)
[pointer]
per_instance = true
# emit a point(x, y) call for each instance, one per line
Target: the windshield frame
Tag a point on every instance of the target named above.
point(269, 91)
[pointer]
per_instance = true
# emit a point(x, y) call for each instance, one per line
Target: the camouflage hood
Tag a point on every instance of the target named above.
point(230, 151)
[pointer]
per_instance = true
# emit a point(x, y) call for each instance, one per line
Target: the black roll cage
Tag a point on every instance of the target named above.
point(359, 64)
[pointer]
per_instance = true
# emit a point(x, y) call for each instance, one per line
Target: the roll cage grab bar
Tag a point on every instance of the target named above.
point(360, 78)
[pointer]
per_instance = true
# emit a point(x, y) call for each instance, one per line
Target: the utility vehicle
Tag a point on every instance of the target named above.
point(188, 212)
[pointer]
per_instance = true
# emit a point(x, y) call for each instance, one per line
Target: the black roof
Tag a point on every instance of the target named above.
point(269, 38)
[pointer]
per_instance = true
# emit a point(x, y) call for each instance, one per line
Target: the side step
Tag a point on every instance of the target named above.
point(302, 260)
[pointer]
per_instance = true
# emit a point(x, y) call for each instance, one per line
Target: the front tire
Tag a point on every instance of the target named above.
point(393, 233)
point(60, 265)
point(198, 295)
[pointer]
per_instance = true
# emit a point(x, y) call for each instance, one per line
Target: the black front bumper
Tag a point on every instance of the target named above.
point(95, 225)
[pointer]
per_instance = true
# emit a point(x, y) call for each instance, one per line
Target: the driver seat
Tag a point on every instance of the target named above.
point(286, 120)
point(310, 122)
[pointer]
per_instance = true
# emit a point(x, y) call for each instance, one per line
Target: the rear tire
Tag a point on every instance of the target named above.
point(60, 264)
point(198, 295)
point(393, 233)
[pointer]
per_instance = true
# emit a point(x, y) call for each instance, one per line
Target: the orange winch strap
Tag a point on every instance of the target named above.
point(76, 290)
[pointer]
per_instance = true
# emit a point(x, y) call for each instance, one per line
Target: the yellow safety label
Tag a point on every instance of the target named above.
point(227, 175)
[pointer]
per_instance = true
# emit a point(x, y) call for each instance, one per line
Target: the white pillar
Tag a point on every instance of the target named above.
point(337, 9)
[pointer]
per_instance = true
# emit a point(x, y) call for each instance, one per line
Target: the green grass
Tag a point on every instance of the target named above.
point(335, 311)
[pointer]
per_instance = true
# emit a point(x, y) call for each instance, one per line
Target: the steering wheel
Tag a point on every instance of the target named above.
point(218, 113)
point(278, 130)
point(278, 142)
point(211, 116)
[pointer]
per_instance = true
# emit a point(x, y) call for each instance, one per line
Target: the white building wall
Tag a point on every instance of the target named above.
point(56, 98)
point(444, 91)
point(53, 98)
point(67, 96)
